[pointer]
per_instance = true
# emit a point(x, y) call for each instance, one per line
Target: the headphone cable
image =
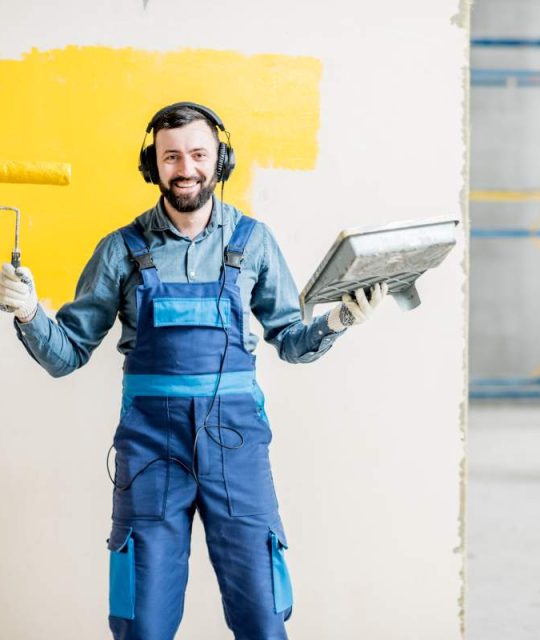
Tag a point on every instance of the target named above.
point(205, 426)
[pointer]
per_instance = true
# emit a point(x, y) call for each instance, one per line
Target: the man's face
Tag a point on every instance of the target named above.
point(186, 159)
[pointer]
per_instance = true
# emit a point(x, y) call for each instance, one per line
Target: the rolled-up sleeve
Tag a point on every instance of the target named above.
point(275, 304)
point(63, 345)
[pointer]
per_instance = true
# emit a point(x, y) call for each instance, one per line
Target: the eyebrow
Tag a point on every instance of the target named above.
point(190, 151)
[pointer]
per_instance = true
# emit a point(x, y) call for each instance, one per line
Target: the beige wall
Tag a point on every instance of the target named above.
point(367, 441)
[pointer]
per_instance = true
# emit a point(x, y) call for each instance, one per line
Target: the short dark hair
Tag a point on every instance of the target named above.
point(181, 116)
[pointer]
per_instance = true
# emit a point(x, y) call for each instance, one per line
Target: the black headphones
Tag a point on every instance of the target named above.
point(226, 160)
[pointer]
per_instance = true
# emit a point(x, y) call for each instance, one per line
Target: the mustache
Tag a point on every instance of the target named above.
point(182, 179)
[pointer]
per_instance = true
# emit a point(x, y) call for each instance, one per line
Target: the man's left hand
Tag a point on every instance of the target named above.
point(355, 311)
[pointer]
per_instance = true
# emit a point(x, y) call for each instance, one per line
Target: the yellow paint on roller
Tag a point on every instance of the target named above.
point(58, 173)
point(89, 106)
point(504, 196)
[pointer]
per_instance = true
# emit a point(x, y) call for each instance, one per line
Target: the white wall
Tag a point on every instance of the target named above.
point(368, 441)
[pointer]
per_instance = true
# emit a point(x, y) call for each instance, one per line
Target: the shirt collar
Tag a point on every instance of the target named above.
point(160, 221)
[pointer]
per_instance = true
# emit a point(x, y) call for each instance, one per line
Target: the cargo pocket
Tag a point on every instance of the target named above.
point(258, 397)
point(141, 464)
point(195, 312)
point(248, 476)
point(281, 581)
point(121, 573)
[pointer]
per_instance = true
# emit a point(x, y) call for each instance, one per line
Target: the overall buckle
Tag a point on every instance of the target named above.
point(234, 258)
point(144, 261)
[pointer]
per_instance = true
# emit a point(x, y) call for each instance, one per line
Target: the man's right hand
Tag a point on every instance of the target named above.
point(358, 309)
point(17, 292)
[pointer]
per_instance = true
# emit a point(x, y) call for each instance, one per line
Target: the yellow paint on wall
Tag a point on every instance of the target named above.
point(504, 196)
point(89, 106)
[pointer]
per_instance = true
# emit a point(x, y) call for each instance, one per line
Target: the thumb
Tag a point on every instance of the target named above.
point(25, 275)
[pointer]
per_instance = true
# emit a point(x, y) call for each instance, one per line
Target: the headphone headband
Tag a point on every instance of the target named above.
point(226, 160)
point(205, 111)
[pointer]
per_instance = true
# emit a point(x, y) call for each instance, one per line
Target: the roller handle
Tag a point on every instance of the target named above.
point(16, 262)
point(15, 254)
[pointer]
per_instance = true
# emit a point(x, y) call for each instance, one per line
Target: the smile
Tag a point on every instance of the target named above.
point(183, 186)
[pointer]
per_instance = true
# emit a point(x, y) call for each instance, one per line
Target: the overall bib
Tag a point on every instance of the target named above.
point(170, 462)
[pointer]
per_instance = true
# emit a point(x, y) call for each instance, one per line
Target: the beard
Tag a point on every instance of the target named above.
point(188, 203)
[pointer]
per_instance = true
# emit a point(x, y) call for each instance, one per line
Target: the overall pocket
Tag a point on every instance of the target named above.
point(281, 581)
point(142, 468)
point(248, 476)
point(121, 573)
point(258, 397)
point(195, 312)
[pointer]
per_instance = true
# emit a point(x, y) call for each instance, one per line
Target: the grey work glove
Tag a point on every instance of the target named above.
point(358, 309)
point(17, 292)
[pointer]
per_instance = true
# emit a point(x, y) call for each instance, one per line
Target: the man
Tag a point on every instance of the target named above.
point(193, 433)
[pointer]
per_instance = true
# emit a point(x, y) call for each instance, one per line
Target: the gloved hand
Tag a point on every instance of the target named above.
point(17, 292)
point(350, 311)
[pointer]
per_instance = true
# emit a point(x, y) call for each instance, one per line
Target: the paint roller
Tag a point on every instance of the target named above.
point(15, 172)
point(19, 172)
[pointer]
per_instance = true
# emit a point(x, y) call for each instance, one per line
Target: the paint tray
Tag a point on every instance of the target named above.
point(398, 254)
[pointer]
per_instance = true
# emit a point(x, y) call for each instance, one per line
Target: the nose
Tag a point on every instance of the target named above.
point(185, 166)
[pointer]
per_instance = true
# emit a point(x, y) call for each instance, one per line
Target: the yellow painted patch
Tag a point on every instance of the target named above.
point(504, 196)
point(89, 106)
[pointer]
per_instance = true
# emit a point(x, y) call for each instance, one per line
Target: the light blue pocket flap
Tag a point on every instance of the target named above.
point(198, 312)
point(122, 573)
point(283, 597)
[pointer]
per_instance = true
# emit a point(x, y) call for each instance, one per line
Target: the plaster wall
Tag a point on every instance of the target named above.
point(368, 441)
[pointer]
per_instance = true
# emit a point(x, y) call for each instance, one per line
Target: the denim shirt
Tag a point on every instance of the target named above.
point(107, 285)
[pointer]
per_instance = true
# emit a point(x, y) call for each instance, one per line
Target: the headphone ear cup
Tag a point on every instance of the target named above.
point(151, 157)
point(231, 163)
point(225, 162)
point(148, 164)
point(221, 160)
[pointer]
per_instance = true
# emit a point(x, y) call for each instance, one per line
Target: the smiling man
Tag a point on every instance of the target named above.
point(187, 166)
point(183, 278)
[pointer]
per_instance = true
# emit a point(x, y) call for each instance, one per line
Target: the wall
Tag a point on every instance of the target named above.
point(343, 116)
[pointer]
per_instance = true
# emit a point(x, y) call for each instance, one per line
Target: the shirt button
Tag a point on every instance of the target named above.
point(192, 274)
point(320, 332)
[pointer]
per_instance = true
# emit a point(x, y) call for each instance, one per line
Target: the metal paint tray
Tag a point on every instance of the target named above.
point(398, 253)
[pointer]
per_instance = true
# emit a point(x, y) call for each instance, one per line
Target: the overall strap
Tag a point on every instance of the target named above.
point(234, 252)
point(140, 253)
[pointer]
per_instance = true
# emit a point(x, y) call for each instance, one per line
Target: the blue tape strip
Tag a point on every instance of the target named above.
point(504, 233)
point(509, 388)
point(507, 394)
point(503, 77)
point(504, 42)
point(505, 382)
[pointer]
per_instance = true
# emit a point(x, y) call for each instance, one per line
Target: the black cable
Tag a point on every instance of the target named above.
point(205, 426)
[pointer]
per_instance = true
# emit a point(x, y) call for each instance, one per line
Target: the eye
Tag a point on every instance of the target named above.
point(199, 155)
point(171, 157)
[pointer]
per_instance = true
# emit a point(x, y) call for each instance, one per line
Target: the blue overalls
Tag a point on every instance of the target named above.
point(170, 462)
